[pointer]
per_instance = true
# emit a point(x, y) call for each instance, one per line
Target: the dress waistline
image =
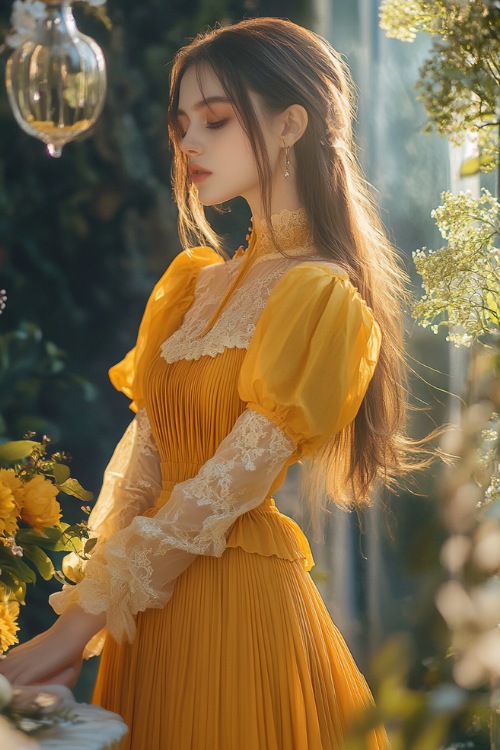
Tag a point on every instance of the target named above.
point(175, 472)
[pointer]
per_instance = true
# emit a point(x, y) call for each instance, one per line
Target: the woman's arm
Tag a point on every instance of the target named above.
point(137, 568)
point(132, 480)
point(54, 656)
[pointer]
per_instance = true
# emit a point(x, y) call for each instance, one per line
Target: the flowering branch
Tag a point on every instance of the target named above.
point(461, 280)
point(459, 82)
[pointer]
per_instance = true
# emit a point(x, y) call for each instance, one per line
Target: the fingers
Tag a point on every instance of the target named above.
point(23, 671)
point(67, 677)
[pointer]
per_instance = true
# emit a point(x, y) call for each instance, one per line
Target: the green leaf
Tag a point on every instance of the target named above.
point(16, 450)
point(10, 582)
point(61, 473)
point(89, 545)
point(41, 560)
point(51, 539)
point(19, 569)
point(494, 310)
point(73, 487)
point(472, 166)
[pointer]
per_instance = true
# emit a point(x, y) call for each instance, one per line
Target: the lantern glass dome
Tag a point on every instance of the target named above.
point(56, 80)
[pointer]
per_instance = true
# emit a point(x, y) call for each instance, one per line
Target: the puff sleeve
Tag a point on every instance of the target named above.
point(165, 309)
point(312, 356)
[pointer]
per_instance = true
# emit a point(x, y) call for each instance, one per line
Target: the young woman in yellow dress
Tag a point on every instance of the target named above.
point(215, 636)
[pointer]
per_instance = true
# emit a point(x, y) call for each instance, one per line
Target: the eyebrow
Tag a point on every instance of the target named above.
point(206, 103)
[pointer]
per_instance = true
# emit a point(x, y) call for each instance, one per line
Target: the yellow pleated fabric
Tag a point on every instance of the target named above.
point(245, 655)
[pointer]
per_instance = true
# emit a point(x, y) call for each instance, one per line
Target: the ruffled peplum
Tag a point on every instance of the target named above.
point(266, 531)
point(262, 531)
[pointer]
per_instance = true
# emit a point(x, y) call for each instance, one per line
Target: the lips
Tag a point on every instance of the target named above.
point(195, 169)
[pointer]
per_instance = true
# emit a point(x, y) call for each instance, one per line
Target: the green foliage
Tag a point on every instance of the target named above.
point(418, 719)
point(462, 279)
point(33, 380)
point(460, 81)
point(25, 460)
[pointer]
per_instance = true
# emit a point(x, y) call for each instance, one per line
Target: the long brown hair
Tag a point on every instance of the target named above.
point(286, 64)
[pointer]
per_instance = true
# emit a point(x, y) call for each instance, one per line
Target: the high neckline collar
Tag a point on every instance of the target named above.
point(293, 234)
point(292, 231)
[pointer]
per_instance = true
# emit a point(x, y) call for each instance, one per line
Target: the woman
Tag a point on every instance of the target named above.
point(216, 635)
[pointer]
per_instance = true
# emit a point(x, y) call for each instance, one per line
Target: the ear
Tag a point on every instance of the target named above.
point(293, 121)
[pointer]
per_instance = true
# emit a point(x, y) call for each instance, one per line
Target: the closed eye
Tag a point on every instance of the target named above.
point(215, 125)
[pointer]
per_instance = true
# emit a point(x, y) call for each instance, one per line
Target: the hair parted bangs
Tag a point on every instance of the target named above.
point(285, 64)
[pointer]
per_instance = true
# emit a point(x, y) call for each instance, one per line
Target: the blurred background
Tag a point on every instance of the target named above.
point(84, 238)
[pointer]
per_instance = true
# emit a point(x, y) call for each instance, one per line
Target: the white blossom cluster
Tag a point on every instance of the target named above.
point(404, 20)
point(25, 16)
point(461, 280)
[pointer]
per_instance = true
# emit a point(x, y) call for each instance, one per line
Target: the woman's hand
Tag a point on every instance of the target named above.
point(54, 656)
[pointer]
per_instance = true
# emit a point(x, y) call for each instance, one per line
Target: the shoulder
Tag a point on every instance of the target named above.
point(184, 270)
point(313, 296)
point(304, 282)
point(316, 268)
point(193, 260)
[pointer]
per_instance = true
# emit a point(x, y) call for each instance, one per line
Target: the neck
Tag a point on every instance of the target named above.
point(289, 233)
point(284, 194)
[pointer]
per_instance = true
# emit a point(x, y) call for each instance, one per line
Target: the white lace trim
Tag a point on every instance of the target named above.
point(236, 324)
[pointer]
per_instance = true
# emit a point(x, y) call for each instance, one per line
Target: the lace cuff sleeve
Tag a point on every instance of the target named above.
point(132, 480)
point(131, 483)
point(137, 568)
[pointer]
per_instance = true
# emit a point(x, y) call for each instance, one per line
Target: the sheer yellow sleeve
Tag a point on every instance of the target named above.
point(165, 309)
point(312, 356)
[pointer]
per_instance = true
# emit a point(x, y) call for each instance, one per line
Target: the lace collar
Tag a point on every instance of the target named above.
point(291, 231)
point(293, 234)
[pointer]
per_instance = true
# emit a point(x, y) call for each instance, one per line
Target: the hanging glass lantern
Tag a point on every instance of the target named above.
point(56, 80)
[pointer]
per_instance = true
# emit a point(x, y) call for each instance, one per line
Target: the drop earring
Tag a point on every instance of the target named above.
point(286, 173)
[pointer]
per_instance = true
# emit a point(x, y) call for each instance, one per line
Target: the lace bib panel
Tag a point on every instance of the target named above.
point(235, 326)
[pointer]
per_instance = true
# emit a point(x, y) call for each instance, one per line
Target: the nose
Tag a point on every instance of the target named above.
point(189, 145)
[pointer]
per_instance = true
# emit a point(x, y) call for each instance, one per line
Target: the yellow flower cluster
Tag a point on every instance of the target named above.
point(34, 501)
point(10, 501)
point(40, 507)
point(9, 611)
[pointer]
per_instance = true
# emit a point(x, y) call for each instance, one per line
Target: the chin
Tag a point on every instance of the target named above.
point(210, 196)
point(209, 201)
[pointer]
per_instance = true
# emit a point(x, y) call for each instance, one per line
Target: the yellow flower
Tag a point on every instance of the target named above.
point(11, 489)
point(9, 612)
point(40, 507)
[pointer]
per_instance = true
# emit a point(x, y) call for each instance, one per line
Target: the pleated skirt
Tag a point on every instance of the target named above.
point(244, 656)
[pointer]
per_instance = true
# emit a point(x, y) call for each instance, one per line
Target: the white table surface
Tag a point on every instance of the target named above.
point(91, 728)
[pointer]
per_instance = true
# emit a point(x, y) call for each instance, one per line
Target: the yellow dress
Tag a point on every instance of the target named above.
point(241, 654)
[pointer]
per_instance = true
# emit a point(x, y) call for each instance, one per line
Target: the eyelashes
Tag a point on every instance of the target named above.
point(209, 125)
point(216, 125)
